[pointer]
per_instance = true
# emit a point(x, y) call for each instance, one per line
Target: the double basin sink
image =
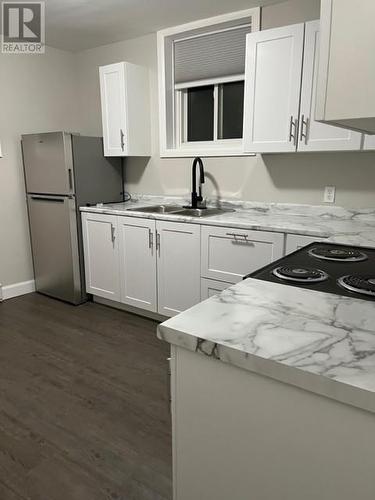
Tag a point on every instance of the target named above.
point(181, 211)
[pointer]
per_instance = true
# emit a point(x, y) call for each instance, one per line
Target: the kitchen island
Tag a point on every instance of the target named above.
point(273, 395)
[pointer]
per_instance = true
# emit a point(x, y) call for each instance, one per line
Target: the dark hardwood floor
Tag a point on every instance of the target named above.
point(83, 406)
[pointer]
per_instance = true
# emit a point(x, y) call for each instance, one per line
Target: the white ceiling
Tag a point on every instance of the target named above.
point(81, 24)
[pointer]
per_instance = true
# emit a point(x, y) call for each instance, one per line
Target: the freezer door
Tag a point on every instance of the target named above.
point(48, 163)
point(54, 239)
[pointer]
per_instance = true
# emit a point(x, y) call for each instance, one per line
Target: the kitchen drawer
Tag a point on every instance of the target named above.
point(228, 254)
point(212, 287)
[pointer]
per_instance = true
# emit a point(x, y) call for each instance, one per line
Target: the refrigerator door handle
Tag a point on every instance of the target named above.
point(48, 198)
point(70, 176)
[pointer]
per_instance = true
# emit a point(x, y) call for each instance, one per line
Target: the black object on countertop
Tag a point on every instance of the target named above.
point(195, 197)
point(325, 267)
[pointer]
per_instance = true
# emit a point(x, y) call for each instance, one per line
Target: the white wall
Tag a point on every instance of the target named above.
point(291, 178)
point(37, 94)
point(60, 90)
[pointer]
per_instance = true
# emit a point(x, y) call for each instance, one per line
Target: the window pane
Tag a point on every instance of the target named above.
point(231, 110)
point(200, 118)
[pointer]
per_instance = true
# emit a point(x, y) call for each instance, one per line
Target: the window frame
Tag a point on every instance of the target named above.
point(221, 147)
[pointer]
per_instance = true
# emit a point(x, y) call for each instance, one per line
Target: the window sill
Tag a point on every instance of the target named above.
point(199, 151)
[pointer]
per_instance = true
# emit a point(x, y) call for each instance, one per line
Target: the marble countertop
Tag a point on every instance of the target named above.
point(353, 227)
point(320, 342)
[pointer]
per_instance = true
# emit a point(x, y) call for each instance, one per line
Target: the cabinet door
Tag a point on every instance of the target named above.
point(272, 89)
point(101, 255)
point(209, 288)
point(346, 90)
point(313, 135)
point(178, 250)
point(229, 254)
point(113, 102)
point(138, 262)
point(296, 241)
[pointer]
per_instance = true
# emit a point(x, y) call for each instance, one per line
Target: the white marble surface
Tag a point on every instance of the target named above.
point(353, 227)
point(321, 342)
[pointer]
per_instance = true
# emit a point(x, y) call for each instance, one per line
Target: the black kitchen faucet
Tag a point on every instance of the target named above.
point(196, 197)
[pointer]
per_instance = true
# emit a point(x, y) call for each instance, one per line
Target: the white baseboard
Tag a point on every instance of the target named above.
point(10, 291)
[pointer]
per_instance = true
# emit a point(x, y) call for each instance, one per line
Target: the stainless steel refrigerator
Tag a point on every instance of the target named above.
point(64, 171)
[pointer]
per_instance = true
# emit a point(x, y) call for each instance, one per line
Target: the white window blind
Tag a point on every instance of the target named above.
point(211, 55)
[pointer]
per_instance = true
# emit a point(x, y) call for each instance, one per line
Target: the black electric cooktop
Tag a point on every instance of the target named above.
point(325, 267)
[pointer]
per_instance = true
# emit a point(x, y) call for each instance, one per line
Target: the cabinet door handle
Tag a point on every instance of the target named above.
point(307, 130)
point(304, 128)
point(122, 135)
point(113, 236)
point(295, 136)
point(291, 125)
point(293, 130)
point(158, 242)
point(150, 239)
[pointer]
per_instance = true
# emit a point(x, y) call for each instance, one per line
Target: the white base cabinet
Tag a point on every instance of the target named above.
point(143, 263)
point(209, 288)
point(178, 250)
point(166, 267)
point(138, 262)
point(101, 253)
point(238, 435)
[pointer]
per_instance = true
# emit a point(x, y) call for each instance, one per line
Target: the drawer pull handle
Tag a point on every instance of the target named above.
point(237, 235)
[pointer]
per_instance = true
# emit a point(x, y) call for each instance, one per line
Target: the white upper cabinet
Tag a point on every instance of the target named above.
point(124, 92)
point(272, 89)
point(279, 109)
point(346, 90)
point(314, 135)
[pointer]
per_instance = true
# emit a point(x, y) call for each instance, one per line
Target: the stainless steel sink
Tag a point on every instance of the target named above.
point(157, 209)
point(177, 210)
point(203, 212)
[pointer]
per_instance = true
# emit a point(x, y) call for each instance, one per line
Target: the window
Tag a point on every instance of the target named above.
point(212, 113)
point(201, 85)
point(230, 110)
point(199, 109)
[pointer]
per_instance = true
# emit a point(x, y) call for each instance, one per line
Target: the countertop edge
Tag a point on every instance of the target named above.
point(317, 384)
point(209, 221)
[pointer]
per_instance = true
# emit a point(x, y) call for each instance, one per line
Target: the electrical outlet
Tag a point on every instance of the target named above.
point(329, 194)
